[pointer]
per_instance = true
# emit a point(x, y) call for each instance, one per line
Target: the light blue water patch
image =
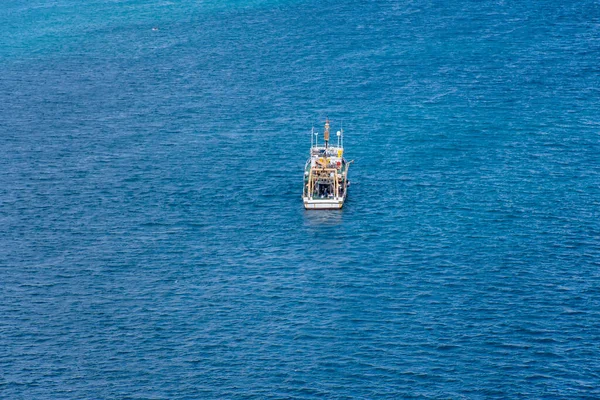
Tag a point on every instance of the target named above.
point(65, 27)
point(153, 242)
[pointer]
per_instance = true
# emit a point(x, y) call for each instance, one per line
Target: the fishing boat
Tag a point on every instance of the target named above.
point(326, 173)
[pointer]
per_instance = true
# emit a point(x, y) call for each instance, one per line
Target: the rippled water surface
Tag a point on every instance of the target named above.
point(153, 242)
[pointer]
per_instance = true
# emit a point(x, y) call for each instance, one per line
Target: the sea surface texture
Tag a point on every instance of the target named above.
point(153, 242)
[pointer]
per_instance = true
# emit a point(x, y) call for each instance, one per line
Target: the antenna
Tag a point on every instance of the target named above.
point(312, 132)
point(326, 134)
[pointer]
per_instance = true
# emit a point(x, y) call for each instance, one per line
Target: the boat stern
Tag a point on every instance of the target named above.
point(323, 204)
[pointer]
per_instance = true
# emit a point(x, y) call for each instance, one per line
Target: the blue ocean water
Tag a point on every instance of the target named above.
point(153, 242)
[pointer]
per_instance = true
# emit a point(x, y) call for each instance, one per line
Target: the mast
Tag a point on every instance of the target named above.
point(326, 134)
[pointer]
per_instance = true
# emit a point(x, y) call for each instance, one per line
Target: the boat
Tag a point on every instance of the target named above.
point(326, 173)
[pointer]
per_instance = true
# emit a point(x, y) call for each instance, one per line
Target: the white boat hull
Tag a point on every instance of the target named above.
point(323, 204)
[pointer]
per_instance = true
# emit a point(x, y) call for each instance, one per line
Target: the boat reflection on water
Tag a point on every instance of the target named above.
point(320, 219)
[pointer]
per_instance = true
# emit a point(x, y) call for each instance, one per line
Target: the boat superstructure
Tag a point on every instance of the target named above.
point(326, 173)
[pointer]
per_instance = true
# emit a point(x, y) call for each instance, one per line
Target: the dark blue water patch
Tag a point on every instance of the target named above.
point(152, 238)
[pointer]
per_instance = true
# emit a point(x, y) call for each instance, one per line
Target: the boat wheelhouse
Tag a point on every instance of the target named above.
point(326, 174)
